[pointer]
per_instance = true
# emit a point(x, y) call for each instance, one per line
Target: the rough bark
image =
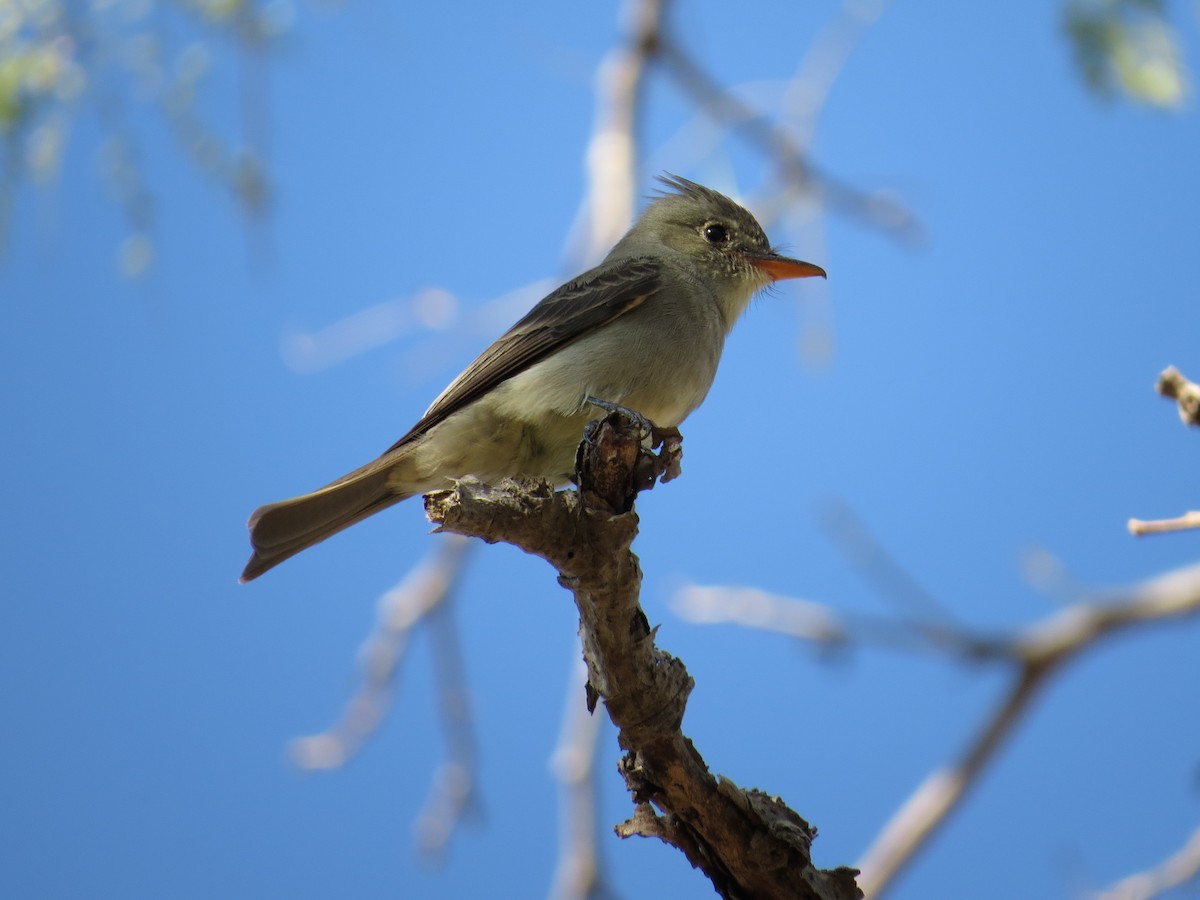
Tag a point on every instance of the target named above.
point(747, 842)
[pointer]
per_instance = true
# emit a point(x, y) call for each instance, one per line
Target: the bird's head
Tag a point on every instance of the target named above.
point(719, 241)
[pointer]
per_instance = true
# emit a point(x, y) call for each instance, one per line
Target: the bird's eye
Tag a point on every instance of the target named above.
point(716, 233)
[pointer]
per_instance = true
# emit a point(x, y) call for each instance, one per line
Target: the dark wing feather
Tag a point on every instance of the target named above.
point(577, 308)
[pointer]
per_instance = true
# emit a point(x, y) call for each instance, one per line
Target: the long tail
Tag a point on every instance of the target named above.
point(279, 531)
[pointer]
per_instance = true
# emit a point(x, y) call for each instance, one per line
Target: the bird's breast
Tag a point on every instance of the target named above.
point(658, 360)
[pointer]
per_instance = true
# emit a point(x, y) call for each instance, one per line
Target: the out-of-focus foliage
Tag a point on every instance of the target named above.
point(1128, 47)
point(59, 58)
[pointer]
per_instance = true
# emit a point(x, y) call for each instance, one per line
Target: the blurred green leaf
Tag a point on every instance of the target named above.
point(58, 57)
point(1127, 47)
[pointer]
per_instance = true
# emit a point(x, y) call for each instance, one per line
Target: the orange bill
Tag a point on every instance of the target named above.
point(781, 267)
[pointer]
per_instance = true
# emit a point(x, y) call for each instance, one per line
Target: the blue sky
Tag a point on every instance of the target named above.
point(989, 394)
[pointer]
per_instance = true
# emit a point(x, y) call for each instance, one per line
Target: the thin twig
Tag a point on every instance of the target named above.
point(878, 210)
point(819, 69)
point(825, 627)
point(1188, 520)
point(893, 581)
point(1176, 871)
point(1174, 385)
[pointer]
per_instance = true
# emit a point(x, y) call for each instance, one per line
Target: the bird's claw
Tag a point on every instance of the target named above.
point(647, 427)
point(663, 466)
point(671, 454)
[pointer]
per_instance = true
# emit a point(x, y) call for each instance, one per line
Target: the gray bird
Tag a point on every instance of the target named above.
point(644, 329)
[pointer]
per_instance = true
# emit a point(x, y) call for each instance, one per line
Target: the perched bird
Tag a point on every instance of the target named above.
point(644, 330)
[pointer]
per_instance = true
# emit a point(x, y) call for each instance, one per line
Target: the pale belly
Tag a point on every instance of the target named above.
point(532, 424)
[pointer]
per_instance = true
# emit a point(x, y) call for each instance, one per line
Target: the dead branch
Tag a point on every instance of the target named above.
point(1189, 520)
point(1174, 385)
point(747, 842)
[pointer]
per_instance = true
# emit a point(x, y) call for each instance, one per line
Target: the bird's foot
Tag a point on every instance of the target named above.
point(650, 466)
point(608, 406)
point(671, 454)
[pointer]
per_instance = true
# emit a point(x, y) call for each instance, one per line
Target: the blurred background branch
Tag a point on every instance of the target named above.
point(1178, 870)
point(422, 599)
point(1033, 655)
